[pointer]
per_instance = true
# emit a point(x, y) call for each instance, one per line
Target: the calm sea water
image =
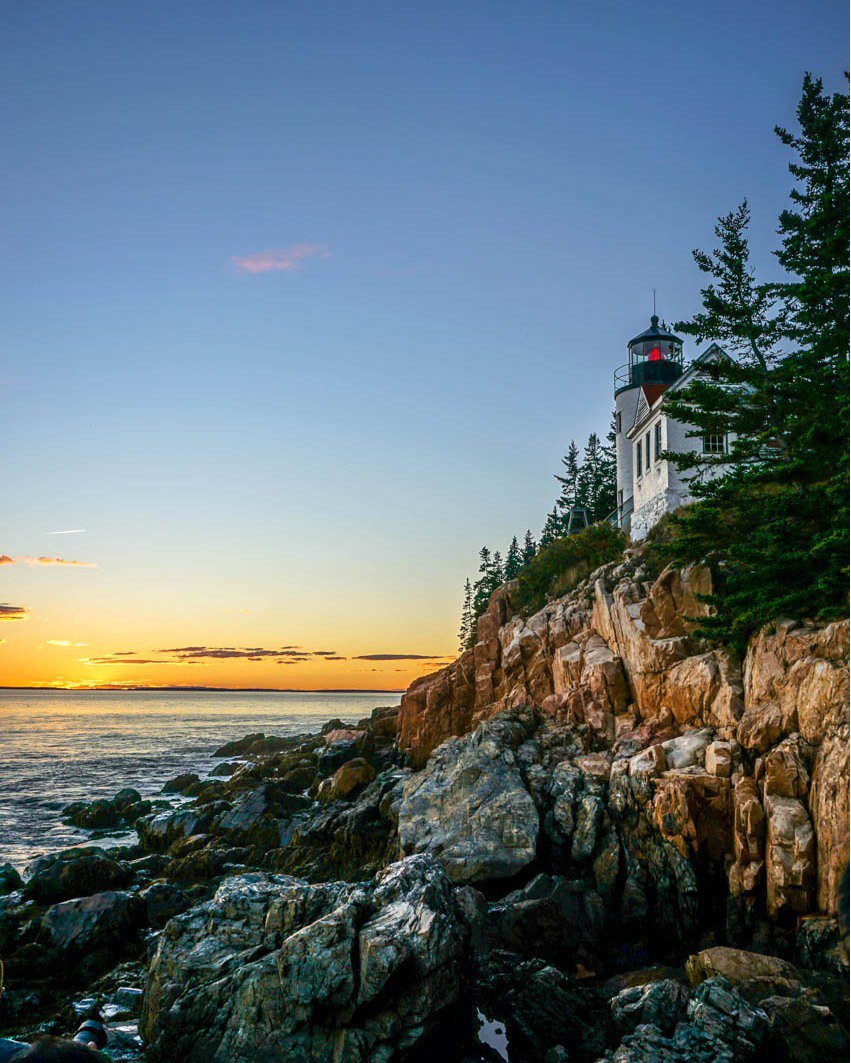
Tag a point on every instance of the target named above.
point(58, 747)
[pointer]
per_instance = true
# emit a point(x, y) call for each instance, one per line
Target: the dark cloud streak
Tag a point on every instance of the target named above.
point(401, 657)
point(281, 655)
point(248, 653)
point(14, 612)
point(126, 660)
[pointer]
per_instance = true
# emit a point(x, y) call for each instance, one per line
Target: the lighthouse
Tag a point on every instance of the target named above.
point(655, 361)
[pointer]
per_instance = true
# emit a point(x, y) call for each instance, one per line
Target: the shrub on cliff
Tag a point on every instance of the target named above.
point(562, 564)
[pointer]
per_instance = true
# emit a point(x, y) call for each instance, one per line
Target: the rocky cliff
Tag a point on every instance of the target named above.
point(592, 833)
point(738, 769)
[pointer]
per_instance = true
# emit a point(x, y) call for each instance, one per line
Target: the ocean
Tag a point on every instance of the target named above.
point(60, 746)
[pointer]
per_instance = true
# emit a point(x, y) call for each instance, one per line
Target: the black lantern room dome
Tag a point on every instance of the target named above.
point(655, 356)
point(654, 333)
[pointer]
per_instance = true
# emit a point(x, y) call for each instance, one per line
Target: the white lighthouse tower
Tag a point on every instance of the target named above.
point(655, 362)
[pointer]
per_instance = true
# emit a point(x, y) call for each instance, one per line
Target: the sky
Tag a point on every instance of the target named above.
point(302, 302)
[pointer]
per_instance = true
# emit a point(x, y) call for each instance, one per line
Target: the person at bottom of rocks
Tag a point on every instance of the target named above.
point(52, 1050)
point(84, 1048)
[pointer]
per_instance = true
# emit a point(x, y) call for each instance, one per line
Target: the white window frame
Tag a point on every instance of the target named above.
point(714, 451)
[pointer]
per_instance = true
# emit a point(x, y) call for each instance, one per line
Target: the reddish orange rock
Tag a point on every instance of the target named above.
point(767, 790)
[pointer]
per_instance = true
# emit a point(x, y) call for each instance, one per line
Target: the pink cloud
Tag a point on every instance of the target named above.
point(6, 560)
point(288, 259)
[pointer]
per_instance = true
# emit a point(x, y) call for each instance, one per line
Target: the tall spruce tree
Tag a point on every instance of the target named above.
point(529, 547)
point(569, 496)
point(596, 484)
point(553, 528)
point(513, 560)
point(609, 479)
point(466, 634)
point(774, 517)
point(815, 251)
point(491, 576)
point(589, 484)
point(814, 230)
point(482, 587)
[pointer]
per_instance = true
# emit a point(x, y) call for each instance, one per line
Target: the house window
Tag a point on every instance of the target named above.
point(638, 458)
point(714, 443)
point(647, 451)
point(657, 440)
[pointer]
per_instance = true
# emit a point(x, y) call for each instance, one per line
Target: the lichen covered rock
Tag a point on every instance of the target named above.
point(275, 967)
point(470, 808)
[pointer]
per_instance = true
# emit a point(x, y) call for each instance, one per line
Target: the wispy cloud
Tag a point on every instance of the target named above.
point(124, 660)
point(288, 259)
point(67, 531)
point(65, 642)
point(5, 559)
point(201, 655)
point(219, 653)
point(204, 654)
point(281, 655)
point(14, 612)
point(401, 657)
point(291, 654)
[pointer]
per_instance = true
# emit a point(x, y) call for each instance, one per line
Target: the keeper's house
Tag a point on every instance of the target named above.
point(648, 485)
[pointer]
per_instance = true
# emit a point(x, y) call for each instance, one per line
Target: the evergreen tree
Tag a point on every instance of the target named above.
point(529, 548)
point(466, 635)
point(482, 587)
point(569, 496)
point(609, 492)
point(775, 517)
point(589, 484)
point(815, 250)
point(513, 559)
point(491, 576)
point(815, 230)
point(552, 529)
point(596, 482)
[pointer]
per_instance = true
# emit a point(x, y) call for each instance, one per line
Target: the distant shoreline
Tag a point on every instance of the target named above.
point(204, 690)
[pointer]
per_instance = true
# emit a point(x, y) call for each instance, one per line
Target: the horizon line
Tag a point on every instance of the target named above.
point(214, 690)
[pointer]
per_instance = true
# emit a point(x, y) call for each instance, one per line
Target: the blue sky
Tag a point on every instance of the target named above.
point(484, 194)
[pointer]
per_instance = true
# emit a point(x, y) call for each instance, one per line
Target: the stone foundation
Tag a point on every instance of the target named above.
point(645, 516)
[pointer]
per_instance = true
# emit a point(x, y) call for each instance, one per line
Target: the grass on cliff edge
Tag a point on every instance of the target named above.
point(559, 567)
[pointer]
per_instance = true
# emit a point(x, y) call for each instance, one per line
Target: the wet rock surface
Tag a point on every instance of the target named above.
point(110, 814)
point(75, 873)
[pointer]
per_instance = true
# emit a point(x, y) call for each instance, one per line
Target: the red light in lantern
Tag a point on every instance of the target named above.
point(655, 355)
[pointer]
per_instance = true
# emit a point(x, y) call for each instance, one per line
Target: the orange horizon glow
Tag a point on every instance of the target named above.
point(81, 653)
point(24, 673)
point(141, 687)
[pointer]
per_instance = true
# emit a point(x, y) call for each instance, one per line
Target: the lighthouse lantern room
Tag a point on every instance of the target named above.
point(655, 357)
point(655, 362)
